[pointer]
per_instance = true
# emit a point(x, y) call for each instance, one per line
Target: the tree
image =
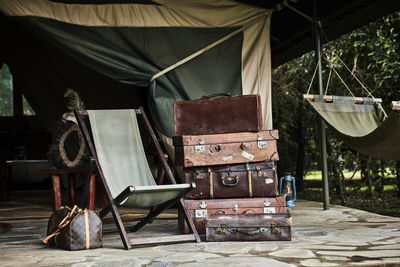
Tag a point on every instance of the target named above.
point(371, 53)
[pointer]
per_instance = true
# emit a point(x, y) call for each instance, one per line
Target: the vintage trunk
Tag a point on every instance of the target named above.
point(230, 148)
point(199, 209)
point(248, 227)
point(257, 179)
point(229, 114)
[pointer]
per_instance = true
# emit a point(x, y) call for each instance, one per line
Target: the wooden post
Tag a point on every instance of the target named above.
point(55, 179)
point(92, 191)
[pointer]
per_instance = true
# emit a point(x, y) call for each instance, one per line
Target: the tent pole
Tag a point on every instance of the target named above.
point(324, 162)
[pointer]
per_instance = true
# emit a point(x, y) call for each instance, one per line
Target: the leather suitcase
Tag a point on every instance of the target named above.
point(248, 227)
point(199, 209)
point(257, 179)
point(220, 149)
point(209, 115)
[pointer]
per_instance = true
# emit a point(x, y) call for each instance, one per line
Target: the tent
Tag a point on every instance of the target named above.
point(111, 53)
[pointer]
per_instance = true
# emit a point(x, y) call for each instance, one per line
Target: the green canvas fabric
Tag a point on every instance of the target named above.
point(122, 159)
point(364, 127)
point(132, 55)
point(149, 196)
point(130, 43)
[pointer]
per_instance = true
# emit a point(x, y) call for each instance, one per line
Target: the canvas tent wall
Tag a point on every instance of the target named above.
point(56, 42)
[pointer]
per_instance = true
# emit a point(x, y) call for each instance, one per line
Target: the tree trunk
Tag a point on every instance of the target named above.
point(300, 149)
point(369, 177)
point(398, 177)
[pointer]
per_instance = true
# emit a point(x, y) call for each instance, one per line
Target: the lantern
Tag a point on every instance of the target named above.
point(287, 188)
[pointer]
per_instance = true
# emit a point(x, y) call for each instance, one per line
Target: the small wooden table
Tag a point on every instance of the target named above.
point(71, 172)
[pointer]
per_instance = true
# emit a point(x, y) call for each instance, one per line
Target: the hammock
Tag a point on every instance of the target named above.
point(360, 121)
point(364, 127)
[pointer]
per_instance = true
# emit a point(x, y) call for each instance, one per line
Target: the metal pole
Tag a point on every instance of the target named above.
point(324, 162)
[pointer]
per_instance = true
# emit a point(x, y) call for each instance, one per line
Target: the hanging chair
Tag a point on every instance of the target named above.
point(361, 122)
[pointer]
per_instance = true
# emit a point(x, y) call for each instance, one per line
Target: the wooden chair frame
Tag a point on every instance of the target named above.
point(155, 211)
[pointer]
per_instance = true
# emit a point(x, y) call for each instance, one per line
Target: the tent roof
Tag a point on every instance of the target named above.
point(291, 34)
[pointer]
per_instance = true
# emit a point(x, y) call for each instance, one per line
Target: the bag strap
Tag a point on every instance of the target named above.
point(64, 222)
point(87, 229)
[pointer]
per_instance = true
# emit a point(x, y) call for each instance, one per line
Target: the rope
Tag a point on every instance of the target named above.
point(344, 64)
point(362, 85)
point(329, 79)
point(312, 79)
point(333, 68)
point(205, 49)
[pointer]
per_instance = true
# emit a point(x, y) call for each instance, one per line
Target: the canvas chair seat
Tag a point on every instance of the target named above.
point(121, 161)
point(149, 196)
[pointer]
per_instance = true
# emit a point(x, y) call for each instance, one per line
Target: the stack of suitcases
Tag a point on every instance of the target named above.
point(222, 148)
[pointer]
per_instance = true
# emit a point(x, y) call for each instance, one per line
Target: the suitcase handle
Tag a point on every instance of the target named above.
point(229, 178)
point(216, 95)
point(247, 232)
point(249, 211)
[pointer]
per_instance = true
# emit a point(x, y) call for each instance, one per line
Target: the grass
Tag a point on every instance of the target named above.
point(317, 175)
point(385, 203)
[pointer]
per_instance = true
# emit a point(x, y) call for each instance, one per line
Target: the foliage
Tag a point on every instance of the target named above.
point(371, 53)
point(6, 93)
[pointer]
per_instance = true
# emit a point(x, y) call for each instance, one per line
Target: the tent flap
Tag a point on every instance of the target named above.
point(130, 43)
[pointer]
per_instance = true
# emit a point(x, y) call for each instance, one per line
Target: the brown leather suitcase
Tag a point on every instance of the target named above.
point(257, 179)
point(199, 209)
point(209, 115)
point(248, 227)
point(219, 149)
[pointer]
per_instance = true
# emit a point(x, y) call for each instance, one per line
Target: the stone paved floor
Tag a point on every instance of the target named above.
point(338, 237)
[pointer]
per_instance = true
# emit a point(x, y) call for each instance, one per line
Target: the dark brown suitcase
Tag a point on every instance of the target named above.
point(229, 114)
point(257, 179)
point(248, 227)
point(198, 210)
point(220, 149)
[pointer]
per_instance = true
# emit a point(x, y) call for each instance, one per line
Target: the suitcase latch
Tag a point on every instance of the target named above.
point(221, 230)
point(197, 174)
point(275, 229)
point(200, 214)
point(267, 203)
point(202, 205)
point(200, 147)
point(269, 210)
point(262, 174)
point(215, 148)
point(261, 144)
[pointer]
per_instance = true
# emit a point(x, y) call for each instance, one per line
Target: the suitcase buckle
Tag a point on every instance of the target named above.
point(198, 174)
point(275, 229)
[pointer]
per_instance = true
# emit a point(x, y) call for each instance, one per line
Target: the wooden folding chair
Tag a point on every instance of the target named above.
point(116, 146)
